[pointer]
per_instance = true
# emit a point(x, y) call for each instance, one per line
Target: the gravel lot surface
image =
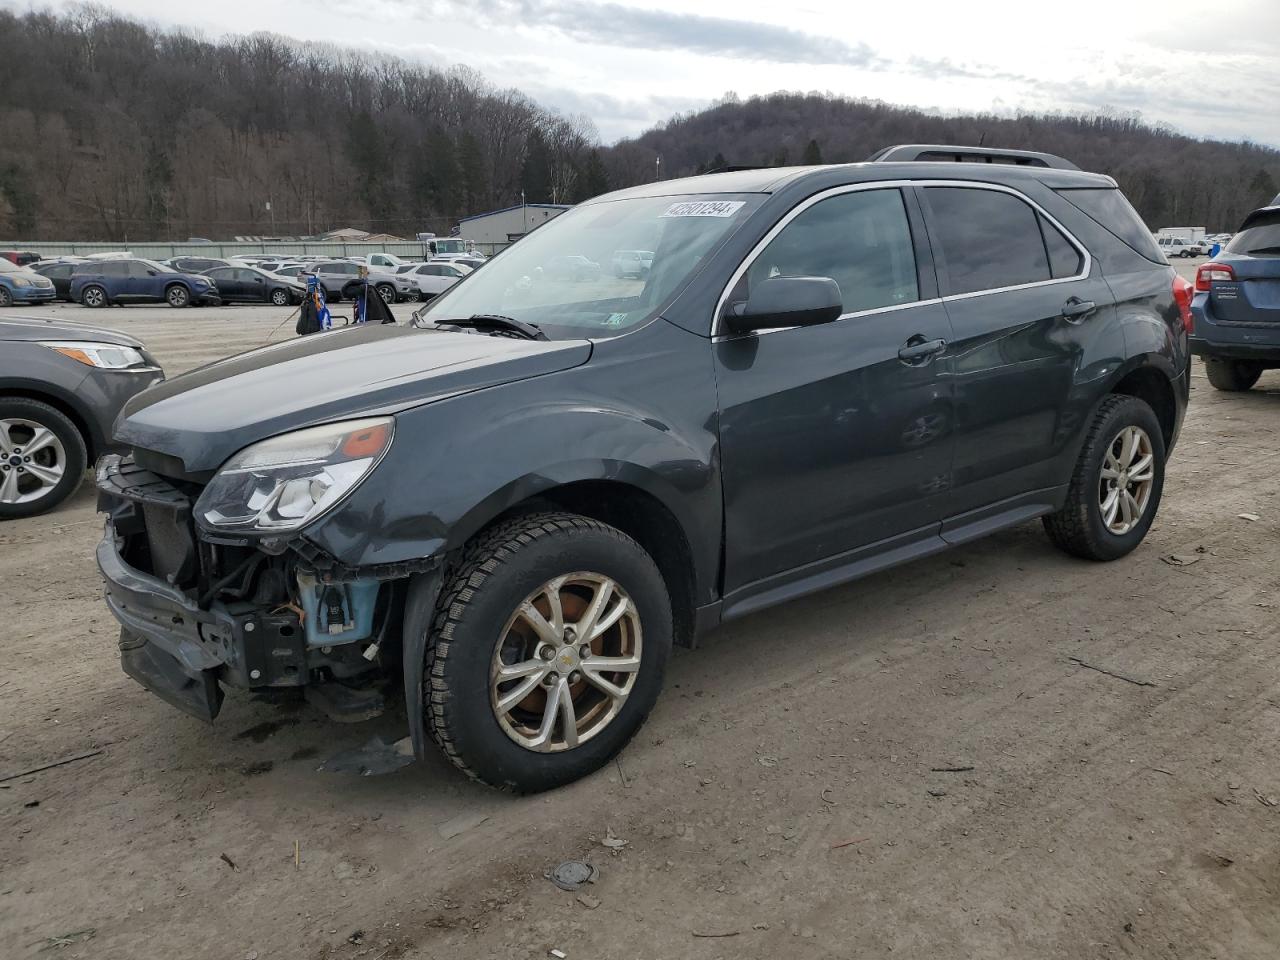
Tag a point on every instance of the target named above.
point(783, 800)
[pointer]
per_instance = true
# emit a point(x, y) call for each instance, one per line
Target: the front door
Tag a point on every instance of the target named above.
point(1024, 301)
point(836, 439)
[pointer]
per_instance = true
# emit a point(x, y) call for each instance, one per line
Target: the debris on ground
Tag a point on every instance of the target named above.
point(573, 875)
point(461, 824)
point(1136, 681)
point(847, 843)
point(612, 842)
point(1180, 560)
point(937, 793)
point(558, 954)
point(959, 769)
point(716, 936)
point(1266, 801)
point(49, 766)
point(588, 901)
point(1251, 517)
point(67, 939)
point(374, 758)
point(228, 861)
point(357, 937)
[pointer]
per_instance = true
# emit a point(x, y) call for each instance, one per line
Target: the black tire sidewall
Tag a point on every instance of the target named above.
point(6, 298)
point(474, 731)
point(172, 292)
point(84, 298)
point(1133, 412)
point(72, 445)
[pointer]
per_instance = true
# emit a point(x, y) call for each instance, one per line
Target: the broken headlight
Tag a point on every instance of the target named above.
point(284, 483)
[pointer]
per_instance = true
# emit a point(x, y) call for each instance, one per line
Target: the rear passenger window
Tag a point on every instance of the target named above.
point(861, 240)
point(1064, 259)
point(989, 239)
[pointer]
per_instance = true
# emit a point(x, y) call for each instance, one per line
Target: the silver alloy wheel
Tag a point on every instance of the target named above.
point(178, 296)
point(94, 297)
point(280, 297)
point(32, 461)
point(1127, 479)
point(387, 293)
point(566, 662)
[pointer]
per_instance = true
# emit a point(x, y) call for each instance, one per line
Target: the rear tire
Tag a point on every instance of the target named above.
point(479, 625)
point(1081, 527)
point(1232, 376)
point(17, 415)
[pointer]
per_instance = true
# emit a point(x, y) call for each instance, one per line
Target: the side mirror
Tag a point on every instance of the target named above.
point(153, 273)
point(787, 302)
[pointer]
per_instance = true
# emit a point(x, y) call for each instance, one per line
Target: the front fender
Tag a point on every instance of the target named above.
point(636, 417)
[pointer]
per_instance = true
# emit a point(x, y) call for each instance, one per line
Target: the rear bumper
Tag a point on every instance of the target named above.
point(1219, 339)
point(1235, 350)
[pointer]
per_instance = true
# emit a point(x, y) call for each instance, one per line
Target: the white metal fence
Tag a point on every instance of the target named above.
point(163, 251)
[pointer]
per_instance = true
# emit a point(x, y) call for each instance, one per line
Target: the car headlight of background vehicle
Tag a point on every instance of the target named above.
point(104, 356)
point(284, 483)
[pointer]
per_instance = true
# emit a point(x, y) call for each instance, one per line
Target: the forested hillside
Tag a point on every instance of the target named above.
point(1171, 179)
point(114, 130)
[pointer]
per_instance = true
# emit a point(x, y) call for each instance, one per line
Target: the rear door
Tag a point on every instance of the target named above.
point(1023, 299)
point(836, 438)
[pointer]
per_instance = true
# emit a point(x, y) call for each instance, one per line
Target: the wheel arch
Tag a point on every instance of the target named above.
point(93, 443)
point(1148, 380)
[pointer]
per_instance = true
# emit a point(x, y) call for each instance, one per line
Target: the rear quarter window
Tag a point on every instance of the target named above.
point(1260, 239)
point(1109, 208)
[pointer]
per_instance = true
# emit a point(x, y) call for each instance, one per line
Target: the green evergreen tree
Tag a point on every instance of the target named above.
point(535, 172)
point(593, 179)
point(812, 154)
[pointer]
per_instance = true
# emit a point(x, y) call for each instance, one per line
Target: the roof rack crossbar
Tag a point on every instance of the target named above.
point(909, 152)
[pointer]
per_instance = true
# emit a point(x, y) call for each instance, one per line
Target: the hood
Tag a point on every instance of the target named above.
point(40, 328)
point(205, 416)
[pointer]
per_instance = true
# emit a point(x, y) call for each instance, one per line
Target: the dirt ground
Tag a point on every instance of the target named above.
point(783, 800)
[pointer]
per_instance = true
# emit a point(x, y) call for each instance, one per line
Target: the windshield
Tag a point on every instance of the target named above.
point(563, 278)
point(1261, 238)
point(450, 246)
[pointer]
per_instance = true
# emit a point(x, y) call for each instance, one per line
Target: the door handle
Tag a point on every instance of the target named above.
point(1075, 309)
point(918, 350)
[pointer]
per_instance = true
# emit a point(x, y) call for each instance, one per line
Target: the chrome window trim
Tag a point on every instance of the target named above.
point(1085, 268)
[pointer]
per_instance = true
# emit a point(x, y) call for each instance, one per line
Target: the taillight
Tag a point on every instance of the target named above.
point(1210, 272)
point(1182, 294)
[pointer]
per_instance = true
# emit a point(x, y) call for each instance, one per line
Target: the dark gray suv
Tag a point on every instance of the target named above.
point(509, 511)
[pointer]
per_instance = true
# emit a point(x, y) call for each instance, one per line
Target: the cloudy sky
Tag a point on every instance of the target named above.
point(1211, 70)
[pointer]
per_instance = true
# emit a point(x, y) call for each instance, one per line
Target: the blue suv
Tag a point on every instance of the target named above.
point(102, 282)
point(1236, 308)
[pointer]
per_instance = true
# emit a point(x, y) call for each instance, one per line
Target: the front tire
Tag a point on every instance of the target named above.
point(547, 652)
point(280, 297)
point(6, 298)
point(1232, 376)
point(94, 296)
point(42, 457)
point(177, 296)
point(387, 292)
point(1117, 483)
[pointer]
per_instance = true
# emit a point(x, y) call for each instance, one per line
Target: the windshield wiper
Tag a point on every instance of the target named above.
point(529, 331)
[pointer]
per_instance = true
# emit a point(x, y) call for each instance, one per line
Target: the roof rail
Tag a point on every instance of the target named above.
point(908, 152)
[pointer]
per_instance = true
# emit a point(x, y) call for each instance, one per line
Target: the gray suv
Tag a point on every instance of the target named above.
point(511, 514)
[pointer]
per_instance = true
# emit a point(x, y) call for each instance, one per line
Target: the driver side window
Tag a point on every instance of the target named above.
point(861, 240)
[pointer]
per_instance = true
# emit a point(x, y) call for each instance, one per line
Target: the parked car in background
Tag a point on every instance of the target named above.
point(1237, 305)
point(61, 386)
point(291, 269)
point(1180, 247)
point(512, 514)
point(435, 277)
point(632, 263)
point(135, 280)
point(190, 264)
point(572, 267)
point(59, 272)
point(20, 258)
point(23, 285)
point(253, 285)
point(341, 280)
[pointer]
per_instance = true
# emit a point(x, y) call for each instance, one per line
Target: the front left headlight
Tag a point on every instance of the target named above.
point(104, 356)
point(282, 484)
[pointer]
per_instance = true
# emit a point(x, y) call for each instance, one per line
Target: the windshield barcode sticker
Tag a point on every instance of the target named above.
point(704, 208)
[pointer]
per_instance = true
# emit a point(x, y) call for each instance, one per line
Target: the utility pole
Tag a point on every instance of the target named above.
point(657, 169)
point(524, 209)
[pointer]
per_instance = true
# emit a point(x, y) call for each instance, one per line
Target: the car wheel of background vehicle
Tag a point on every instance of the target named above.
point(93, 296)
point(1232, 376)
point(550, 641)
point(1116, 486)
point(42, 457)
point(6, 298)
point(177, 296)
point(387, 292)
point(280, 297)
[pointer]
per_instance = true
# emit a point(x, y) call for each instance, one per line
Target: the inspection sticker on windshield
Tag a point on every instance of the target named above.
point(704, 208)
